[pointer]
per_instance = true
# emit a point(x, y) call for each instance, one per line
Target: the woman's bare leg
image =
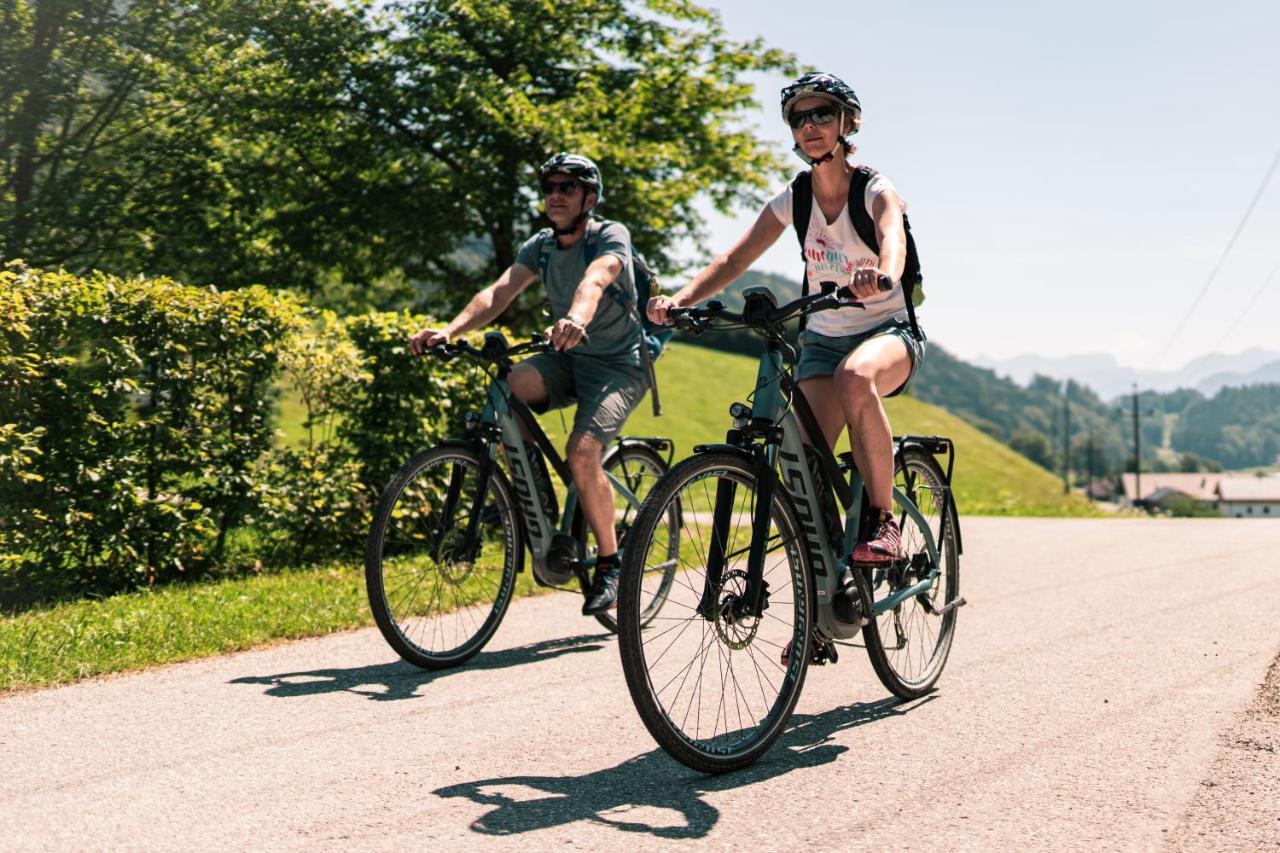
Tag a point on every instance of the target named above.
point(877, 367)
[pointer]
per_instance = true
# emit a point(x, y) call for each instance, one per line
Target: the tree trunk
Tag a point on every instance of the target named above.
point(32, 72)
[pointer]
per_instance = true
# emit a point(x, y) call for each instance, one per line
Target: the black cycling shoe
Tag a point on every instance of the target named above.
point(604, 588)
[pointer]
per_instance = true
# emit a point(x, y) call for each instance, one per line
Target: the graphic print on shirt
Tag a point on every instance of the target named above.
point(826, 260)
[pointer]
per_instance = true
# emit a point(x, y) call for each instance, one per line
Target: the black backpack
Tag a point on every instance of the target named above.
point(646, 281)
point(802, 209)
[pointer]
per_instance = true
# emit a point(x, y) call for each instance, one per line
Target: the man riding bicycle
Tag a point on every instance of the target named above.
point(597, 358)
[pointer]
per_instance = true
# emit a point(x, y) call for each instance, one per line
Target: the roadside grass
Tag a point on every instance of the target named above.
point(76, 640)
point(83, 639)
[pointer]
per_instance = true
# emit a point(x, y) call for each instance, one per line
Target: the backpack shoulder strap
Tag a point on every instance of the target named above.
point(866, 228)
point(801, 211)
point(858, 212)
point(546, 245)
point(591, 239)
point(801, 205)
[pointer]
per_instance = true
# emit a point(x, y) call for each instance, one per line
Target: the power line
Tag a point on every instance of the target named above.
point(1275, 162)
point(1192, 374)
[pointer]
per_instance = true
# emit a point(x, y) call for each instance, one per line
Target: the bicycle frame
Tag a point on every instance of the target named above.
point(778, 410)
point(500, 422)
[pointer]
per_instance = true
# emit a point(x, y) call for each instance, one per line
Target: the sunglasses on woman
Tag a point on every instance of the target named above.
point(565, 188)
point(818, 115)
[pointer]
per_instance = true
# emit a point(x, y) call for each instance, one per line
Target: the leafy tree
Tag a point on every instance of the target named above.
point(1035, 447)
point(1240, 427)
point(215, 140)
point(484, 92)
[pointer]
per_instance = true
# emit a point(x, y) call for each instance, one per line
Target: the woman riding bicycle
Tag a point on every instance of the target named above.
point(850, 357)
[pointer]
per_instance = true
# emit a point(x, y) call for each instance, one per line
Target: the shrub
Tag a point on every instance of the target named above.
point(146, 401)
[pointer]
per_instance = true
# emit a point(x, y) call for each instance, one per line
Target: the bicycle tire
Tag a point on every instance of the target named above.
point(891, 660)
point(411, 495)
point(716, 753)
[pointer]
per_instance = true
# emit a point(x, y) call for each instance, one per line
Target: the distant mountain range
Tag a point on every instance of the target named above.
point(1207, 374)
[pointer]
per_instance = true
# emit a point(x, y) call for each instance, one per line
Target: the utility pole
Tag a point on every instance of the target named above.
point(1137, 450)
point(1066, 437)
point(1090, 459)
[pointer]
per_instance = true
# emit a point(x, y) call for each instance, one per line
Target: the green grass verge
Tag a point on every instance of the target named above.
point(82, 639)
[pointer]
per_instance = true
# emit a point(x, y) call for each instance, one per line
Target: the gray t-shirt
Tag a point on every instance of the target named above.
point(614, 332)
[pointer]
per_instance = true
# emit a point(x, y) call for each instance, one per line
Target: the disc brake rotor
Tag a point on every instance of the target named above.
point(735, 632)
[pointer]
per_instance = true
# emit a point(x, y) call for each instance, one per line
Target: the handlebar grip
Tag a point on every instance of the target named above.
point(885, 283)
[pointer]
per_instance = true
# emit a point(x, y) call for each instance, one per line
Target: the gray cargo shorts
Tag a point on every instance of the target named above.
point(606, 392)
point(821, 355)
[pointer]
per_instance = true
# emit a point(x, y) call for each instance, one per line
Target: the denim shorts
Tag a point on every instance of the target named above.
point(821, 355)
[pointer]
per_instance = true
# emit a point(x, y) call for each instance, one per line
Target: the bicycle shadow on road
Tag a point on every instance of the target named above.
point(400, 680)
point(621, 796)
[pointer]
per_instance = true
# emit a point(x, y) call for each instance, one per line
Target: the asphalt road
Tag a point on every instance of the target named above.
point(1104, 684)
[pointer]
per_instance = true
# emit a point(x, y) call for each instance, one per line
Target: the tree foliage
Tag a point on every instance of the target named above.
point(355, 150)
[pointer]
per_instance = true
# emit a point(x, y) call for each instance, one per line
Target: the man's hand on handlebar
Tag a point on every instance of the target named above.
point(566, 334)
point(867, 282)
point(421, 341)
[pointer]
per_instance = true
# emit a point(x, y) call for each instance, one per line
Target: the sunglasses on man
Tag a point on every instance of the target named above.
point(818, 115)
point(565, 188)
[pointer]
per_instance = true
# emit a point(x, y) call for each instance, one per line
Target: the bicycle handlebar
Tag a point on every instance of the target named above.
point(829, 298)
point(494, 351)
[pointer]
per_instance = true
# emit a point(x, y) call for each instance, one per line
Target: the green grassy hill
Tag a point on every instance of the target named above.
point(697, 385)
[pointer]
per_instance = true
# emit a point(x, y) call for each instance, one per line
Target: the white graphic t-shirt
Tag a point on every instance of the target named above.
point(832, 252)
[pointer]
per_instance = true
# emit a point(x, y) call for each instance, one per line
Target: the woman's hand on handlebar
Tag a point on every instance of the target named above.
point(658, 307)
point(426, 338)
point(868, 282)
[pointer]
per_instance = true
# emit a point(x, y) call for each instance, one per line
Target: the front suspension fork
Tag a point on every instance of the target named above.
point(754, 598)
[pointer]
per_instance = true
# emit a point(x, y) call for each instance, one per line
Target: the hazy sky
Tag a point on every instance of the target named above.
point(1073, 171)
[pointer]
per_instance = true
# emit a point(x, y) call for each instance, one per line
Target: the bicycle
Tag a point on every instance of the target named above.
point(759, 571)
point(447, 541)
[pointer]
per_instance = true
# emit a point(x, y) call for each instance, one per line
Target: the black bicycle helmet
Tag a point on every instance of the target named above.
point(579, 167)
point(819, 84)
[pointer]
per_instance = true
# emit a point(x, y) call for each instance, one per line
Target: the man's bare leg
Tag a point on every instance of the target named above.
point(594, 492)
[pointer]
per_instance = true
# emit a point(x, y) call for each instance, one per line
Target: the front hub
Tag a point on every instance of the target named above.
point(735, 627)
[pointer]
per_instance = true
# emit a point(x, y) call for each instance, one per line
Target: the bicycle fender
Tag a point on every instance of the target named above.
point(724, 448)
point(656, 444)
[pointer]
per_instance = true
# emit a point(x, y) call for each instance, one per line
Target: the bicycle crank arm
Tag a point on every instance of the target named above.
point(958, 602)
point(928, 606)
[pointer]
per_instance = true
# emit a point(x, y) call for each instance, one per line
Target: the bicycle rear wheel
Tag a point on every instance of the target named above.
point(437, 592)
point(909, 644)
point(711, 689)
point(638, 468)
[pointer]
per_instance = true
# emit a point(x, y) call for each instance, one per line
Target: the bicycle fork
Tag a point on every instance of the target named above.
point(754, 598)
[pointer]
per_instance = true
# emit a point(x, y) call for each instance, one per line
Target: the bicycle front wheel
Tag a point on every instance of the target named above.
point(714, 689)
point(439, 584)
point(908, 645)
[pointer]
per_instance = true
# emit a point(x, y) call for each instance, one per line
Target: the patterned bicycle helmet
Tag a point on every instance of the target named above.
point(579, 167)
point(819, 84)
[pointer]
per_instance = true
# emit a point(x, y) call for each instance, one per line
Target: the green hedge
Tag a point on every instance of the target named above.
point(137, 436)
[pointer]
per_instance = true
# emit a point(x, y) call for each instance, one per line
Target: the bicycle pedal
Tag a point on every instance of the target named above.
point(824, 652)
